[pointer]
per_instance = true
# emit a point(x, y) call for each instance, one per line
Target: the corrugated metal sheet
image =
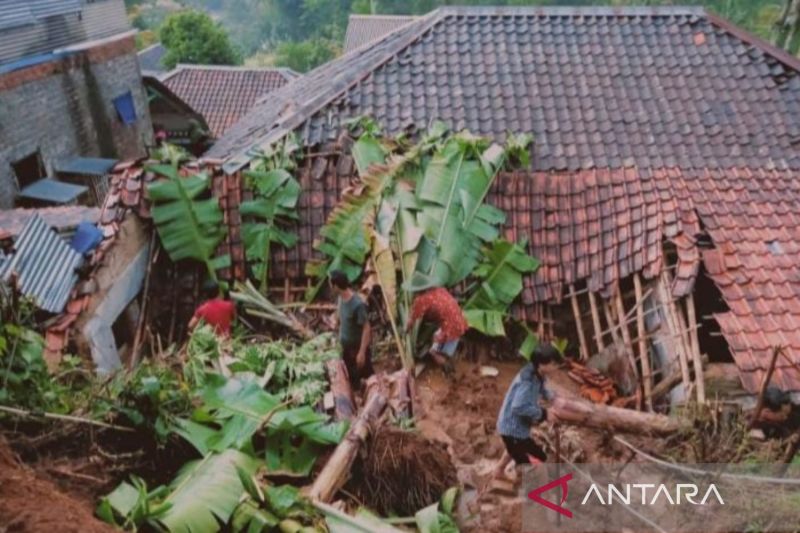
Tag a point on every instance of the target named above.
point(45, 266)
point(46, 27)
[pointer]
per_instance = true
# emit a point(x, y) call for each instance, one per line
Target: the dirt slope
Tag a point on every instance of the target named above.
point(31, 504)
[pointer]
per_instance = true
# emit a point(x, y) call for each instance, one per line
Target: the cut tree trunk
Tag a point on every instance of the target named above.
point(338, 467)
point(582, 413)
point(343, 402)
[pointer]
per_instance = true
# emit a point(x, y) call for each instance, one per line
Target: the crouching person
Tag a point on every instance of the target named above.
point(522, 409)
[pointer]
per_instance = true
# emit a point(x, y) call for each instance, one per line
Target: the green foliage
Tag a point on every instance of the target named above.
point(274, 206)
point(303, 56)
point(439, 517)
point(194, 37)
point(189, 227)
point(294, 373)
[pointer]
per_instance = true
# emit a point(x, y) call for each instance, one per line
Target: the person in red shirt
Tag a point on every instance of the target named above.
point(218, 313)
point(438, 306)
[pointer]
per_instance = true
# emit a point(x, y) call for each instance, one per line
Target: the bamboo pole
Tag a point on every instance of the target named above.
point(644, 356)
point(607, 310)
point(576, 310)
point(699, 376)
point(673, 330)
point(338, 467)
point(598, 335)
point(629, 350)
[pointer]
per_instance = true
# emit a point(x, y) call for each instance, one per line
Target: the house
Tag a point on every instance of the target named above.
point(70, 87)
point(363, 29)
point(175, 119)
point(222, 94)
point(150, 60)
point(663, 193)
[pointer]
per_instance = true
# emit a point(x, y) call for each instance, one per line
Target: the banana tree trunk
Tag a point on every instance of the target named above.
point(582, 413)
point(344, 404)
point(338, 467)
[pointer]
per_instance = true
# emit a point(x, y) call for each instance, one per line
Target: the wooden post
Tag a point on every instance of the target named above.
point(764, 384)
point(338, 467)
point(576, 310)
point(343, 402)
point(699, 375)
point(644, 354)
point(598, 336)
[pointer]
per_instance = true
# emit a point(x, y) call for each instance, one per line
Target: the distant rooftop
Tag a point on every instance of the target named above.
point(363, 29)
point(223, 94)
point(34, 28)
point(150, 59)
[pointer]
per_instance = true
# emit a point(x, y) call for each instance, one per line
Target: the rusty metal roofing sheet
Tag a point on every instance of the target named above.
point(44, 264)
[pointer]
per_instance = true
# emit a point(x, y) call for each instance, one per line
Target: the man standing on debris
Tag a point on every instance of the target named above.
point(522, 410)
point(355, 332)
point(439, 306)
point(217, 312)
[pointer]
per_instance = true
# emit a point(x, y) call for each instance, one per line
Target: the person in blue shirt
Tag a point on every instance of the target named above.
point(522, 410)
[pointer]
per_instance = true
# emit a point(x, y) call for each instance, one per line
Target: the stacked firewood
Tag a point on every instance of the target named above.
point(595, 386)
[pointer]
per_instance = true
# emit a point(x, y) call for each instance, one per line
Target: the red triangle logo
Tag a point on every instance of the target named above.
point(535, 495)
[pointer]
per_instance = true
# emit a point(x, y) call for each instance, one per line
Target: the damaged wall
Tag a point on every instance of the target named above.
point(118, 282)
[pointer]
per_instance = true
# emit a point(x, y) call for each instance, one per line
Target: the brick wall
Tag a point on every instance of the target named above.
point(64, 108)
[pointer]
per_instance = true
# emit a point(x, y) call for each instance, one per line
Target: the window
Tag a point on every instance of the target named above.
point(29, 169)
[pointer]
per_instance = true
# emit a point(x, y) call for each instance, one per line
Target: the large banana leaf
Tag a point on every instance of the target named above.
point(273, 208)
point(206, 492)
point(190, 228)
point(500, 273)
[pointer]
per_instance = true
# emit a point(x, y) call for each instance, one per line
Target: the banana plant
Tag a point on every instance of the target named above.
point(273, 208)
point(189, 227)
point(498, 284)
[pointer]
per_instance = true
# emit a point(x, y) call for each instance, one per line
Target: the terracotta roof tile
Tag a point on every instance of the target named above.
point(224, 94)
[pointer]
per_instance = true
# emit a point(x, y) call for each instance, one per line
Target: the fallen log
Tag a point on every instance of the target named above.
point(338, 467)
point(343, 402)
point(583, 413)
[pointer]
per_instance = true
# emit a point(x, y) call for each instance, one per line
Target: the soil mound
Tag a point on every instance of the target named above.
point(30, 504)
point(402, 472)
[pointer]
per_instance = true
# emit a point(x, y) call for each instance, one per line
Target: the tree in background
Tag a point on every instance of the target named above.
point(787, 34)
point(193, 37)
point(304, 55)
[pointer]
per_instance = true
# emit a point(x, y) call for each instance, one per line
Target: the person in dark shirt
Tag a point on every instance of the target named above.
point(355, 331)
point(522, 410)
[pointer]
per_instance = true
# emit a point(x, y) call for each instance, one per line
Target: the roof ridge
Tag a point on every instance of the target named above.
point(565, 11)
point(382, 16)
point(233, 68)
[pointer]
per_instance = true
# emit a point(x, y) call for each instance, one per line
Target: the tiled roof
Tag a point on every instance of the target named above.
point(150, 59)
point(598, 87)
point(363, 29)
point(224, 94)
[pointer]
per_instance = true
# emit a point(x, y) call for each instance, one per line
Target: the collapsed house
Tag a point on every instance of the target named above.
point(659, 199)
point(661, 194)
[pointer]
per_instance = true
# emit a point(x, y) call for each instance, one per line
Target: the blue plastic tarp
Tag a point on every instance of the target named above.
point(87, 237)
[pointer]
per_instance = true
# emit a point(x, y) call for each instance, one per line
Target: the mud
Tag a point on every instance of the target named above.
point(29, 503)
